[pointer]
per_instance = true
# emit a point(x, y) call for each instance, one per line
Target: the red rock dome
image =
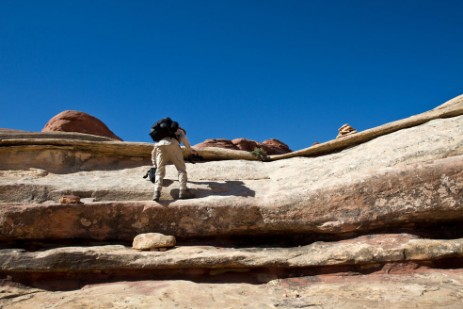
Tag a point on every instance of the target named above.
point(80, 122)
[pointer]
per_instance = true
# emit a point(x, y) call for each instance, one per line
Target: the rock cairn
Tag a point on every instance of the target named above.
point(345, 130)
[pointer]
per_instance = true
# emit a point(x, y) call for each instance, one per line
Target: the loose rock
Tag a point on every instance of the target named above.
point(153, 241)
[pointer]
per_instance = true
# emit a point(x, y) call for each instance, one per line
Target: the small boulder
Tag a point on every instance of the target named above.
point(153, 241)
point(274, 146)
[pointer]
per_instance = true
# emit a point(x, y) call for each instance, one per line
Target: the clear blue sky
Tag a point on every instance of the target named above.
point(291, 70)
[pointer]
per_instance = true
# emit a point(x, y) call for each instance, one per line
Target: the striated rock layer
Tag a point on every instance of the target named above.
point(428, 193)
point(420, 289)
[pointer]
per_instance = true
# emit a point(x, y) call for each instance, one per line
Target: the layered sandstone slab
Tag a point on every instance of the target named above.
point(365, 251)
point(426, 193)
point(372, 272)
point(421, 289)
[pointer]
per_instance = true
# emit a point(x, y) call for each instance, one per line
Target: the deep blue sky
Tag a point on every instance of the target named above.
point(292, 70)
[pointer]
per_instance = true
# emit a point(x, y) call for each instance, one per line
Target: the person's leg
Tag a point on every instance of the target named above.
point(161, 161)
point(176, 155)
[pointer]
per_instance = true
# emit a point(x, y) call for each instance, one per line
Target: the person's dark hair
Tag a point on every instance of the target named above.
point(174, 126)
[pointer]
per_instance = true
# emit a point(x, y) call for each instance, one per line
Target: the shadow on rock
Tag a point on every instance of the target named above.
point(226, 188)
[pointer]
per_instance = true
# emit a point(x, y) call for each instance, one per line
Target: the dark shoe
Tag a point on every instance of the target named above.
point(185, 195)
point(156, 196)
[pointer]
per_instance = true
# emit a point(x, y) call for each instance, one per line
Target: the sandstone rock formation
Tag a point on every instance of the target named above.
point(270, 146)
point(80, 122)
point(220, 143)
point(418, 289)
point(274, 146)
point(243, 144)
point(371, 220)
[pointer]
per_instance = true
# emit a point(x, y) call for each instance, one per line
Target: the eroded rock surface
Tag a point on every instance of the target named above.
point(420, 289)
point(270, 146)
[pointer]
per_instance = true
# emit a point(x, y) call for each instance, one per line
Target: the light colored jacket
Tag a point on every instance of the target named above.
point(182, 138)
